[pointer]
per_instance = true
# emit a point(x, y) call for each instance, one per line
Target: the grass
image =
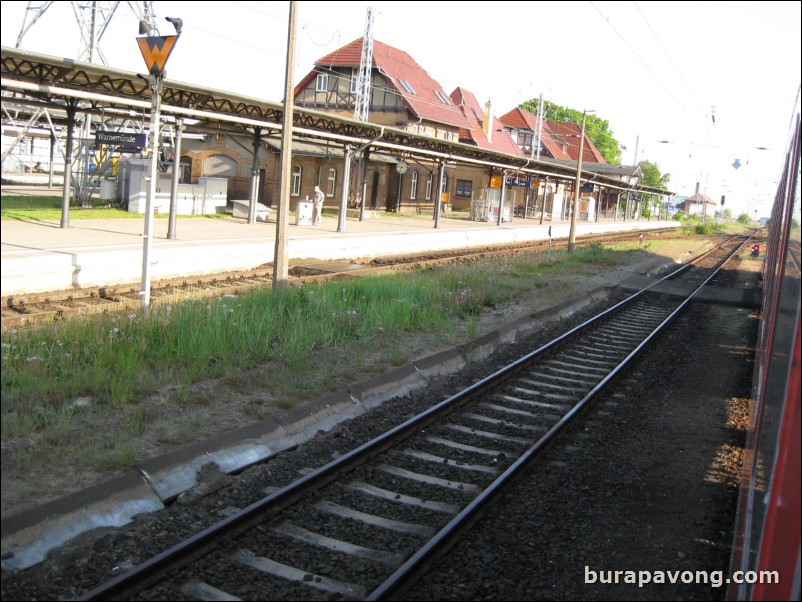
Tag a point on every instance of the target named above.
point(96, 393)
point(62, 378)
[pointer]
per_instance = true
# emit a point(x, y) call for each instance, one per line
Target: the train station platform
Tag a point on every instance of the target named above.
point(41, 256)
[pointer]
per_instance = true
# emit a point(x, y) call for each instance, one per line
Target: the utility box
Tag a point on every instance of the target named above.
point(216, 196)
point(303, 214)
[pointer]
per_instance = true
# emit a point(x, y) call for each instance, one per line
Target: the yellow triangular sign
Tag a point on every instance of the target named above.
point(156, 50)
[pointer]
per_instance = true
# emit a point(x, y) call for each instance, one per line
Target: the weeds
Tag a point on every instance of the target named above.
point(298, 342)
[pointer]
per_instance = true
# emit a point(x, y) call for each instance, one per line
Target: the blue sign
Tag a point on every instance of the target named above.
point(516, 182)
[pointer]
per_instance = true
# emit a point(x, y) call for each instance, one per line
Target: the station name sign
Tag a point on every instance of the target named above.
point(121, 139)
point(517, 182)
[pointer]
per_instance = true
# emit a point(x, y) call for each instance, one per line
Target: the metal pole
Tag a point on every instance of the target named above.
point(280, 260)
point(539, 126)
point(543, 202)
point(572, 234)
point(153, 164)
point(439, 200)
point(363, 182)
point(257, 138)
point(345, 186)
point(527, 193)
point(51, 171)
point(501, 200)
point(65, 193)
point(179, 129)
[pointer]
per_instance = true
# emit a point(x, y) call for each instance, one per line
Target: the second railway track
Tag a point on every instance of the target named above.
point(366, 524)
point(37, 308)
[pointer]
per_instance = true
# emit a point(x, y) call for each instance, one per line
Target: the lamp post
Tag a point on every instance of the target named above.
point(572, 233)
point(155, 50)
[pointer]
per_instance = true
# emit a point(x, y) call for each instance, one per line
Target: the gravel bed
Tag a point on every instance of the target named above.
point(647, 482)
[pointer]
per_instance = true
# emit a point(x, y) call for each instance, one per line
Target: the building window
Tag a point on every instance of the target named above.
point(332, 181)
point(524, 138)
point(354, 81)
point(322, 83)
point(429, 182)
point(446, 135)
point(413, 188)
point(464, 188)
point(296, 180)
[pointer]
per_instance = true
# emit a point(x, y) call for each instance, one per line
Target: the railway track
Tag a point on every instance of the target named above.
point(367, 524)
point(38, 308)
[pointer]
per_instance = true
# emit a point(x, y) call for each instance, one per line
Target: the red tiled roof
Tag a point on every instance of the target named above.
point(571, 134)
point(500, 139)
point(555, 136)
point(396, 65)
point(520, 119)
point(524, 120)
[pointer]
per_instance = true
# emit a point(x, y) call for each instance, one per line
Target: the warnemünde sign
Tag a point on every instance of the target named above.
point(121, 139)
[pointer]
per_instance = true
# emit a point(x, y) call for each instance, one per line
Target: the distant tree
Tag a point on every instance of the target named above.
point(597, 129)
point(652, 176)
point(744, 218)
point(727, 213)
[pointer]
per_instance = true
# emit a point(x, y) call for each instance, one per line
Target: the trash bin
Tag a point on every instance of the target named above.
point(303, 214)
point(107, 190)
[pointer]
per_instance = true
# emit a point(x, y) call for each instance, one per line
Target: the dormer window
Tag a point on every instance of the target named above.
point(443, 98)
point(407, 86)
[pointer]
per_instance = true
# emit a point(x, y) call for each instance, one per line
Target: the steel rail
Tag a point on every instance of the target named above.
point(147, 573)
point(406, 575)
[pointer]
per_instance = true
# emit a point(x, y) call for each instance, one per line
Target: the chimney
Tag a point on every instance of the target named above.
point(487, 125)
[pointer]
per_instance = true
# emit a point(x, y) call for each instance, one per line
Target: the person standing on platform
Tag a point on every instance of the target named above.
point(317, 206)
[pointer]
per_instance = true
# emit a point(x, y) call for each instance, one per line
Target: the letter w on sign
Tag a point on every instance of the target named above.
point(156, 50)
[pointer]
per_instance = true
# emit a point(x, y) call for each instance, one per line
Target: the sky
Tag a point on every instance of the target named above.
point(690, 86)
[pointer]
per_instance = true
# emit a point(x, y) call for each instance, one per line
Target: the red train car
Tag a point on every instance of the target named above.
point(765, 562)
